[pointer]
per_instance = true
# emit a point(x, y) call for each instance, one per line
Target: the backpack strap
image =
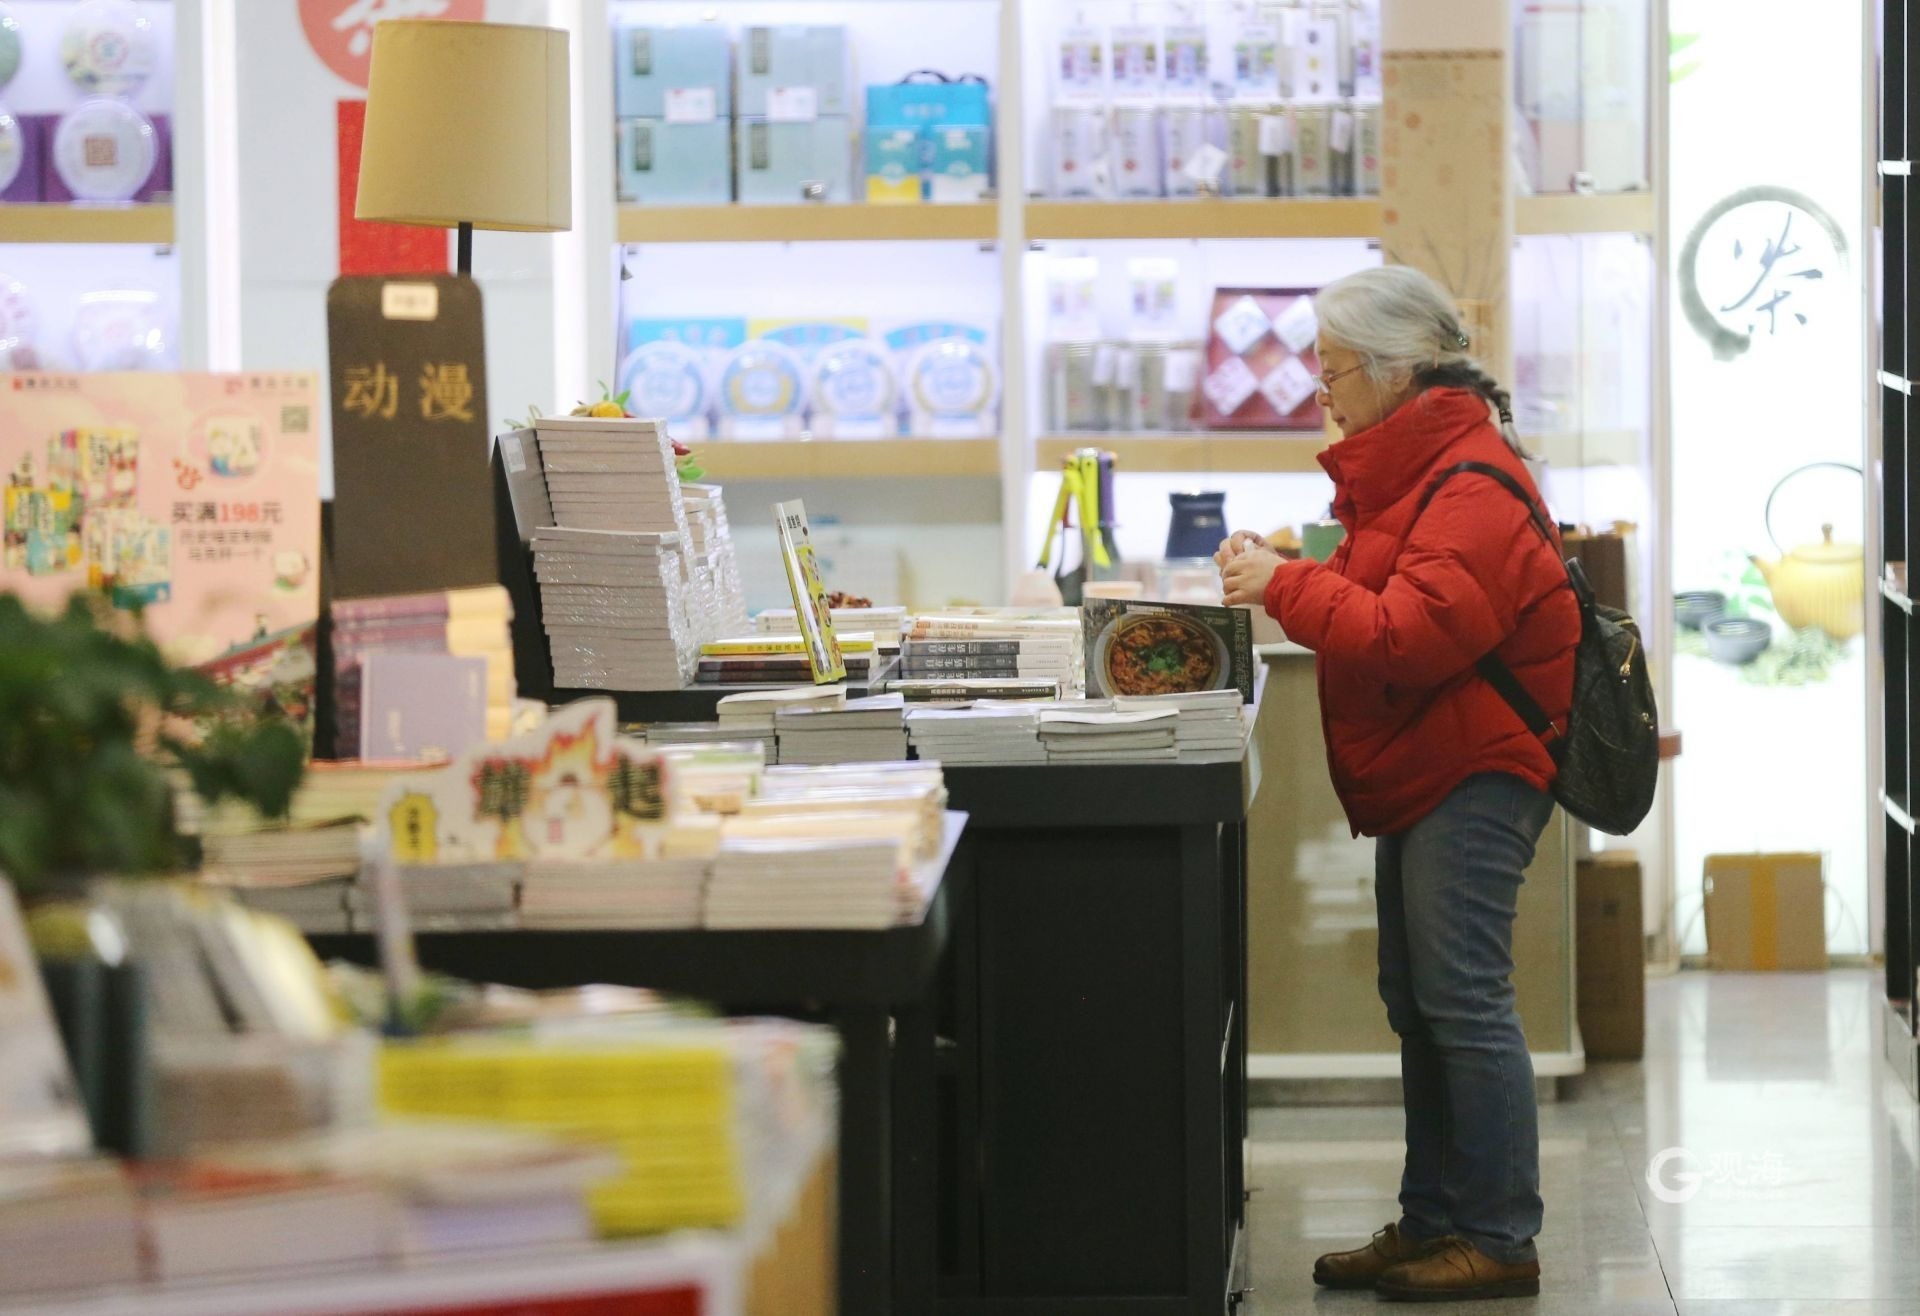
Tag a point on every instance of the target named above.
point(1492, 670)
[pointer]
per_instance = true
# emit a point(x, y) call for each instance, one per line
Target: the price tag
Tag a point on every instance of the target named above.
point(410, 301)
point(1341, 134)
point(793, 104)
point(691, 105)
point(1276, 134)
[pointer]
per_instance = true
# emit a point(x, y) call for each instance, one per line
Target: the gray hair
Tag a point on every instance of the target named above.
point(1407, 333)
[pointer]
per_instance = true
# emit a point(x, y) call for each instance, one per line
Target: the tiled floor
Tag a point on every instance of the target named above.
point(1806, 1148)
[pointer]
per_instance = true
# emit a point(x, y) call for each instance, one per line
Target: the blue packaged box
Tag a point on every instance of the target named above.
point(778, 162)
point(673, 164)
point(653, 64)
point(795, 56)
point(957, 163)
point(928, 104)
point(895, 164)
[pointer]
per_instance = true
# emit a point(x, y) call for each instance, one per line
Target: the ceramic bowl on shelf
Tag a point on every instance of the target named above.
point(104, 150)
point(1737, 641)
point(1695, 608)
point(109, 48)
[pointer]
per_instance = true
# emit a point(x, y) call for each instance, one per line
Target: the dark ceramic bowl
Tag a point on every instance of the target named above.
point(1737, 641)
point(1695, 608)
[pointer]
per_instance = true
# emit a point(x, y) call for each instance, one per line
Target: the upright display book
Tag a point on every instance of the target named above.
point(809, 593)
point(193, 498)
point(1139, 648)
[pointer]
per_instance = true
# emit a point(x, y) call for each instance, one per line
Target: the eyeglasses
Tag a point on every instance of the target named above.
point(1323, 382)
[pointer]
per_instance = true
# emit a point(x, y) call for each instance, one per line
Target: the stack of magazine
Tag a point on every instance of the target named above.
point(712, 550)
point(884, 624)
point(983, 733)
point(871, 729)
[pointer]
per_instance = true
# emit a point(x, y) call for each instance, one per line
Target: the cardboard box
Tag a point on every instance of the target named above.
point(957, 170)
point(777, 161)
point(1610, 982)
point(674, 164)
point(894, 165)
point(1766, 911)
point(650, 63)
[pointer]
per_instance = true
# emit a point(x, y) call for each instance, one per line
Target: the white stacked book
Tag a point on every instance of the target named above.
point(847, 871)
point(856, 731)
point(885, 624)
point(711, 733)
point(984, 733)
point(623, 893)
point(616, 609)
point(1005, 646)
point(611, 474)
point(1211, 726)
point(748, 717)
point(1106, 735)
point(713, 545)
point(459, 895)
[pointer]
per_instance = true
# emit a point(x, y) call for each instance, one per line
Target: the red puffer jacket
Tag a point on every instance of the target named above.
point(1412, 600)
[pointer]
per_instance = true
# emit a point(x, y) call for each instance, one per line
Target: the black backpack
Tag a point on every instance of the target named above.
point(1609, 752)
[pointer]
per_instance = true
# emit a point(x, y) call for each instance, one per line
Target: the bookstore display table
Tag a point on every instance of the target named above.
point(859, 981)
point(1087, 1045)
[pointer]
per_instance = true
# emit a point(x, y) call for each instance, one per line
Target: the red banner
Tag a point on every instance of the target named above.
point(367, 248)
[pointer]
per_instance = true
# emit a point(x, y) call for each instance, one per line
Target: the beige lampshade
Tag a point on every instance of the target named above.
point(467, 123)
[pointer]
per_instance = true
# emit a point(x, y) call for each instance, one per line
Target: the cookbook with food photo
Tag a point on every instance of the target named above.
point(1140, 648)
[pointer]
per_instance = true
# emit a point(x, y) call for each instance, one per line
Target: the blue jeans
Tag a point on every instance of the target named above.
point(1446, 889)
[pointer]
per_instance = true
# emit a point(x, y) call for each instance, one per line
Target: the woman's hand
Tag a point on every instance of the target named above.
point(1244, 577)
point(1236, 544)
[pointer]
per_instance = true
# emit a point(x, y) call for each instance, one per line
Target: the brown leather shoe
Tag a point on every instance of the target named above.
point(1454, 1270)
point(1359, 1268)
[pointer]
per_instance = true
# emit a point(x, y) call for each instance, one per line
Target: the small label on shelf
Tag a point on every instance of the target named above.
point(793, 104)
point(691, 105)
point(1276, 134)
point(1342, 133)
point(410, 301)
point(1183, 369)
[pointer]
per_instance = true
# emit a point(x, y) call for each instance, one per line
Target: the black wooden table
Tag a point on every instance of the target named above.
point(862, 982)
point(1090, 1152)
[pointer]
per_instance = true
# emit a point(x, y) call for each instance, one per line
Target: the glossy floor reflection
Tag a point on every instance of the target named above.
point(1798, 1159)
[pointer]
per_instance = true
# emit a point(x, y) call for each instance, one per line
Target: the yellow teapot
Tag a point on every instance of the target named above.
point(1821, 584)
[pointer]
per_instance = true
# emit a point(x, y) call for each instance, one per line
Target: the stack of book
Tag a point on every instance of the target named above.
point(1211, 726)
point(859, 730)
point(666, 1097)
point(462, 623)
point(1100, 734)
point(713, 548)
point(884, 624)
point(797, 871)
point(702, 733)
point(1022, 652)
point(777, 659)
point(983, 733)
point(611, 475)
point(66, 1225)
point(917, 790)
point(748, 717)
point(624, 893)
point(960, 691)
point(300, 867)
point(617, 610)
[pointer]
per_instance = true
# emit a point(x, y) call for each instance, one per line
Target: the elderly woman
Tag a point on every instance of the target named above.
point(1436, 572)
